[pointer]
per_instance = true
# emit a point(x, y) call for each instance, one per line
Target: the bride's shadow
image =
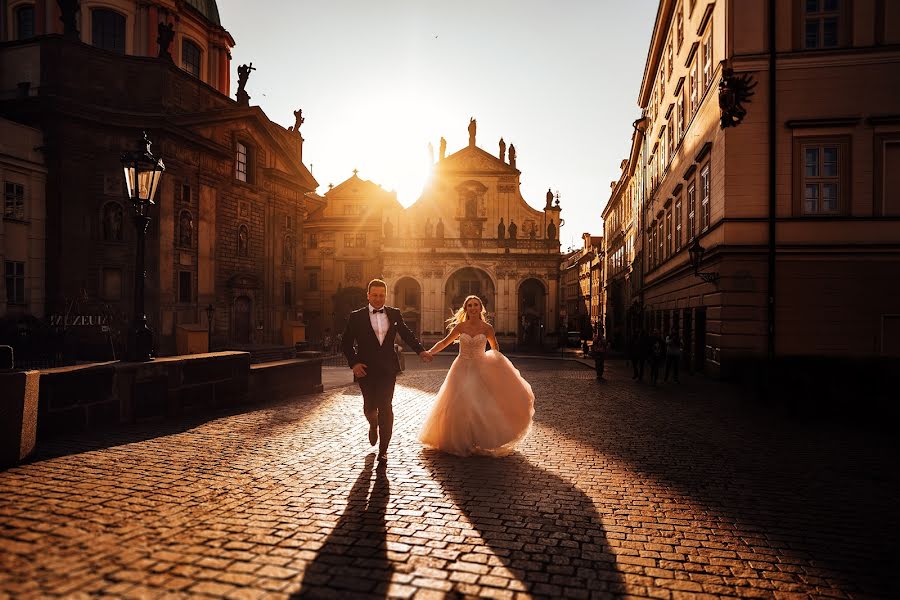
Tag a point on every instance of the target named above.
point(546, 531)
point(358, 543)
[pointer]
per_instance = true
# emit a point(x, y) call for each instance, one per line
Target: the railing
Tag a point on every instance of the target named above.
point(475, 243)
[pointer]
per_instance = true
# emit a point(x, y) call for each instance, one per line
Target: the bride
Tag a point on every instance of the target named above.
point(484, 405)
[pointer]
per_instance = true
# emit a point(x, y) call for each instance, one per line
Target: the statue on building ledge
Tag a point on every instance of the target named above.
point(512, 230)
point(512, 156)
point(443, 149)
point(243, 74)
point(551, 228)
point(501, 230)
point(165, 35)
point(439, 229)
point(298, 121)
point(388, 229)
point(549, 199)
point(502, 150)
point(429, 228)
point(473, 124)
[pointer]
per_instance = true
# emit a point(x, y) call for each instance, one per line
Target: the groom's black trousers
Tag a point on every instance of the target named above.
point(378, 396)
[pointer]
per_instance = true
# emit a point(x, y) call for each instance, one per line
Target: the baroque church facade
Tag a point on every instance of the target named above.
point(470, 232)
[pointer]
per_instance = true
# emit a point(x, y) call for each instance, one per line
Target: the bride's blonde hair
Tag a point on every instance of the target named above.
point(460, 315)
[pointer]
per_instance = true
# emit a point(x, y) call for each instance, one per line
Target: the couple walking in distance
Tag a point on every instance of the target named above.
point(484, 405)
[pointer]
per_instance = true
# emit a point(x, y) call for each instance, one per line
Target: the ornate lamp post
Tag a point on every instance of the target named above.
point(696, 252)
point(142, 174)
point(210, 312)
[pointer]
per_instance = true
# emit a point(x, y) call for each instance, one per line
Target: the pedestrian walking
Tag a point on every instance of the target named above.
point(673, 355)
point(657, 352)
point(642, 353)
point(598, 352)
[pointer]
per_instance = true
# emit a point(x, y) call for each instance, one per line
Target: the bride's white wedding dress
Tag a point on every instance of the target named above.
point(484, 405)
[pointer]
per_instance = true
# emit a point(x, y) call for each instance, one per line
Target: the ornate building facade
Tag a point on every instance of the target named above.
point(342, 252)
point(471, 232)
point(231, 203)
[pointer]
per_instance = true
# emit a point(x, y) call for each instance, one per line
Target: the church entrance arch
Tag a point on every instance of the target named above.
point(468, 281)
point(408, 298)
point(531, 303)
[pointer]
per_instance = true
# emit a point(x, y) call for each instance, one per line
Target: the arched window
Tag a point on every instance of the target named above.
point(113, 218)
point(288, 250)
point(243, 241)
point(190, 57)
point(185, 229)
point(108, 30)
point(24, 16)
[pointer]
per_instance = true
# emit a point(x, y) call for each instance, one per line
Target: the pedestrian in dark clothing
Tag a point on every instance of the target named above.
point(642, 353)
point(598, 351)
point(673, 355)
point(657, 351)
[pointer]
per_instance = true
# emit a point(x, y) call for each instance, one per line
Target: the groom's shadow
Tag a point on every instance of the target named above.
point(353, 559)
point(546, 531)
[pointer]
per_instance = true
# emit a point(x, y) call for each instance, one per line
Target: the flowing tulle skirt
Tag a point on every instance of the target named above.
point(483, 407)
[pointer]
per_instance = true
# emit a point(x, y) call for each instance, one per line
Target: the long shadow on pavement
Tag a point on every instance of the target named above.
point(819, 495)
point(353, 561)
point(545, 530)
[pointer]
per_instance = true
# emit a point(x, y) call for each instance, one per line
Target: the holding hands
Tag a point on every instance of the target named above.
point(426, 356)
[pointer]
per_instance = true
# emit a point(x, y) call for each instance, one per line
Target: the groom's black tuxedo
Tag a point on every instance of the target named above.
point(380, 359)
point(382, 366)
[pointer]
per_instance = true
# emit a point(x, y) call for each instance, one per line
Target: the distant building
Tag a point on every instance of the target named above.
point(230, 207)
point(343, 252)
point(704, 154)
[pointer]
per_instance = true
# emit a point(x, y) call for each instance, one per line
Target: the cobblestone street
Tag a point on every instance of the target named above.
point(620, 489)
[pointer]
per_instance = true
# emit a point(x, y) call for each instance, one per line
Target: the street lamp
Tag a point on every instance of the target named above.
point(696, 252)
point(210, 311)
point(142, 174)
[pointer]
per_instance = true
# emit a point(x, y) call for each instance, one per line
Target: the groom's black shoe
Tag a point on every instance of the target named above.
point(373, 433)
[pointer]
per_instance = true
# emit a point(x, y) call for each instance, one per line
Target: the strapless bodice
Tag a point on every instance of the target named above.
point(471, 347)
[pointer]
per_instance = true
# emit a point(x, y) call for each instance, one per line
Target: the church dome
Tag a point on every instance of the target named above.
point(207, 8)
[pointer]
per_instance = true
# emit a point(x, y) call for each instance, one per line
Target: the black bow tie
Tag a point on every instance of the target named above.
point(377, 310)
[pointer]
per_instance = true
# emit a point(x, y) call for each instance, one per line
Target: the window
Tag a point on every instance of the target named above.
point(887, 175)
point(668, 233)
point(312, 240)
point(312, 281)
point(821, 177)
point(186, 193)
point(354, 240)
point(15, 282)
point(14, 201)
point(111, 284)
point(707, 60)
point(671, 139)
point(25, 22)
point(112, 217)
point(190, 57)
point(469, 287)
point(288, 293)
point(821, 21)
point(704, 197)
point(694, 83)
point(679, 108)
point(660, 241)
point(679, 25)
point(185, 289)
point(678, 219)
point(411, 297)
point(351, 209)
point(692, 208)
point(670, 61)
point(242, 163)
point(108, 30)
point(662, 86)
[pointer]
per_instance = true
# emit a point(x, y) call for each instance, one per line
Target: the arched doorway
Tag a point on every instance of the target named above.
point(346, 300)
point(408, 298)
point(242, 313)
point(531, 304)
point(465, 282)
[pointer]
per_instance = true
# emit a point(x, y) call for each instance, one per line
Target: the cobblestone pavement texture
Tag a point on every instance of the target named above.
point(620, 489)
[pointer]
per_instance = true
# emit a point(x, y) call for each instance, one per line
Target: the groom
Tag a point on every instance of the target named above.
point(374, 361)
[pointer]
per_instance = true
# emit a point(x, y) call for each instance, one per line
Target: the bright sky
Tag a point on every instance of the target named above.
point(379, 80)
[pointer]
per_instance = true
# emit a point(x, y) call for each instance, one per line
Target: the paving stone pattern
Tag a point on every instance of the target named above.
point(620, 490)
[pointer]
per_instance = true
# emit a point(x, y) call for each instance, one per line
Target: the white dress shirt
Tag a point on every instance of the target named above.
point(379, 323)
